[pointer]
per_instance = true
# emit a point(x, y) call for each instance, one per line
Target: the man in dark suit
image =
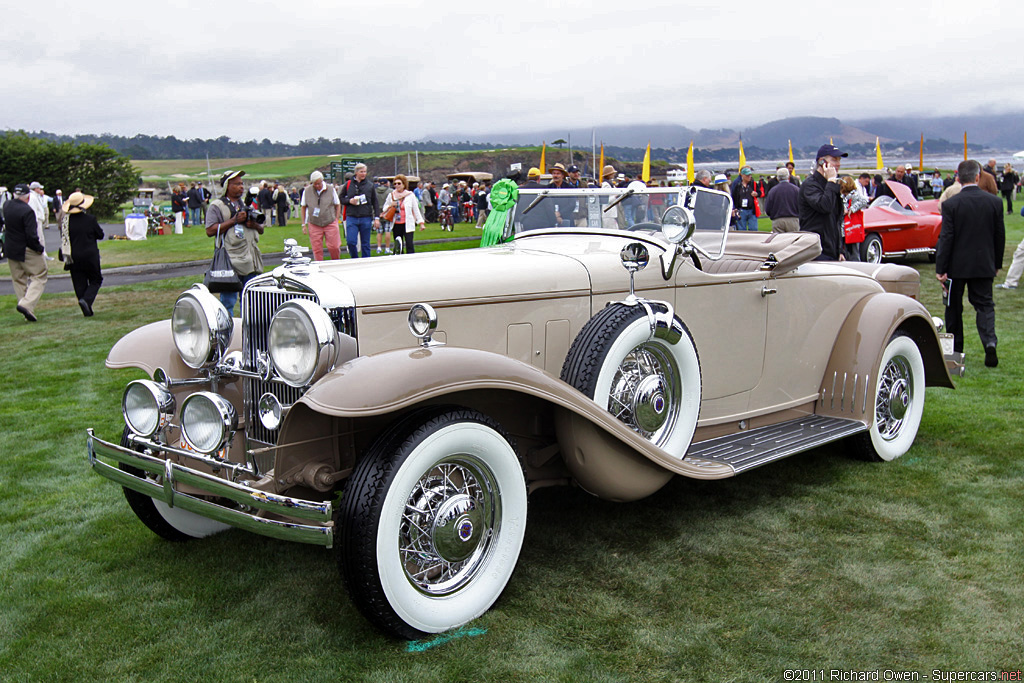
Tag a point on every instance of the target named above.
point(969, 254)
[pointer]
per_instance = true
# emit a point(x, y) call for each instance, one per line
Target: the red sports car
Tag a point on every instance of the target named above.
point(900, 226)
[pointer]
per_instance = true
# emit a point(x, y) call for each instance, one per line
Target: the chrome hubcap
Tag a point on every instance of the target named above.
point(895, 397)
point(645, 391)
point(448, 524)
point(874, 252)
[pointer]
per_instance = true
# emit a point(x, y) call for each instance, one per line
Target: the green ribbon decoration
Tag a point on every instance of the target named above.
point(504, 196)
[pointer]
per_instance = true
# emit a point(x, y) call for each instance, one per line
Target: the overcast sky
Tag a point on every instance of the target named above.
point(400, 70)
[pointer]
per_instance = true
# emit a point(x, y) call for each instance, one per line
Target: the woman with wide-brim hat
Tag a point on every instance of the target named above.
point(79, 232)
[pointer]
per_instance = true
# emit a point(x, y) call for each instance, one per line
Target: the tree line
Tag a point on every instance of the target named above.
point(169, 147)
point(96, 168)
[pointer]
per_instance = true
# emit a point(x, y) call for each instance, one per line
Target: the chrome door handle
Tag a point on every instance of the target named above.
point(766, 290)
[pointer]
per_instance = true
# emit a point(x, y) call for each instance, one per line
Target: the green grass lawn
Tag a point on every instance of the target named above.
point(817, 562)
point(162, 170)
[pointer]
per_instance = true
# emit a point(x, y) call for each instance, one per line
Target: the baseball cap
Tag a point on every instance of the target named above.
point(315, 176)
point(830, 151)
point(35, 186)
point(534, 172)
point(746, 170)
point(574, 169)
point(909, 167)
point(228, 175)
point(21, 189)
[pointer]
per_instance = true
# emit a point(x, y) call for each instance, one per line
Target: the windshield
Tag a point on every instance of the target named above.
point(891, 204)
point(616, 209)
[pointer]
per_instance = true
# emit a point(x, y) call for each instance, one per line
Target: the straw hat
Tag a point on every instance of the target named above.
point(608, 170)
point(77, 203)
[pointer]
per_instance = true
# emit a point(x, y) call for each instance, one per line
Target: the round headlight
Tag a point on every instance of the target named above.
point(201, 327)
point(678, 224)
point(422, 320)
point(208, 421)
point(303, 342)
point(147, 406)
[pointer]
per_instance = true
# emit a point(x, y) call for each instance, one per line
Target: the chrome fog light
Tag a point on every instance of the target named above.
point(208, 421)
point(422, 322)
point(303, 342)
point(147, 407)
point(270, 411)
point(201, 327)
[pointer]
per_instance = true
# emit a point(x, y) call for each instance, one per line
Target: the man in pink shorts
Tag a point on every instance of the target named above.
point(320, 210)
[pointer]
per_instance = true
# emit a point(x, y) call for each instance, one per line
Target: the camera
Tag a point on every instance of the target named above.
point(255, 216)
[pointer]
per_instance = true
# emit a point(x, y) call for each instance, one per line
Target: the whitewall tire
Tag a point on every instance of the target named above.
point(433, 521)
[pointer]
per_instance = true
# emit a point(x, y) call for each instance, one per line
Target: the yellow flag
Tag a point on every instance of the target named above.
point(830, 140)
point(645, 173)
point(600, 166)
point(689, 164)
point(543, 153)
point(965, 145)
point(743, 157)
point(878, 155)
point(920, 165)
point(791, 153)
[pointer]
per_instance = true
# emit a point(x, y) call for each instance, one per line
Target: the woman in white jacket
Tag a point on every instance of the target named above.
point(407, 210)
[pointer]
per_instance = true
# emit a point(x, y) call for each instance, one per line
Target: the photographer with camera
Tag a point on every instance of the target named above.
point(241, 230)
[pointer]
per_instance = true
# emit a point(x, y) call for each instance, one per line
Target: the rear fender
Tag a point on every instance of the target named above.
point(847, 385)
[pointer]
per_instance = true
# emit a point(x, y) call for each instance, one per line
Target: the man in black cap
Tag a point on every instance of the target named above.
point(24, 252)
point(821, 205)
point(574, 179)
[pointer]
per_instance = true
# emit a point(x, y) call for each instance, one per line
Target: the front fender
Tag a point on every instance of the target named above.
point(847, 385)
point(152, 346)
point(393, 381)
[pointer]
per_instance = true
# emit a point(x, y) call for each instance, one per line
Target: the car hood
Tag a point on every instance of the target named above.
point(466, 275)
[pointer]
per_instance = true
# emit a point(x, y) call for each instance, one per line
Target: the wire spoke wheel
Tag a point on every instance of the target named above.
point(645, 391)
point(894, 397)
point(448, 525)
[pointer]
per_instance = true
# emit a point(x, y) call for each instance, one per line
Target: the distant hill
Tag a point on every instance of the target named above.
point(1002, 131)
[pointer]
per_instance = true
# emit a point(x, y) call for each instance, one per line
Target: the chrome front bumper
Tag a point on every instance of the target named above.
point(251, 501)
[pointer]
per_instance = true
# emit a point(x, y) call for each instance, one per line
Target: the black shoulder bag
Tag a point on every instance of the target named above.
point(221, 276)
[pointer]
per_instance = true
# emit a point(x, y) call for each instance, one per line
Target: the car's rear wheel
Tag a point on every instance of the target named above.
point(648, 383)
point(899, 403)
point(872, 249)
point(432, 522)
point(172, 524)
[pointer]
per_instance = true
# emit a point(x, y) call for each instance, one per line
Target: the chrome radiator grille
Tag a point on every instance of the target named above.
point(258, 306)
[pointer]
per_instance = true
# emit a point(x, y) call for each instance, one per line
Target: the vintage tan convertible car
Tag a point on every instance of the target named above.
point(399, 410)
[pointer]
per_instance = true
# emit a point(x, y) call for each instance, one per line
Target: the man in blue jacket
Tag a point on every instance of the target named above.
point(362, 212)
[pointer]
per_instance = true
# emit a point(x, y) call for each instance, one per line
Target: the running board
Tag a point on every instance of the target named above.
point(756, 447)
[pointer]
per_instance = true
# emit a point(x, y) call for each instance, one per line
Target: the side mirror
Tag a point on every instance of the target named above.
point(634, 257)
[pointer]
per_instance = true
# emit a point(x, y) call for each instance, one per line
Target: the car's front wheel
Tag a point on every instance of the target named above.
point(899, 403)
point(648, 383)
point(173, 524)
point(432, 522)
